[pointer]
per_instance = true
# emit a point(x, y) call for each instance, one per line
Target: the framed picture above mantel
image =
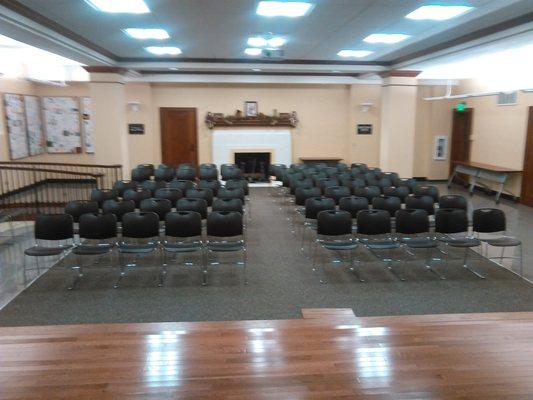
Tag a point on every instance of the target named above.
point(278, 119)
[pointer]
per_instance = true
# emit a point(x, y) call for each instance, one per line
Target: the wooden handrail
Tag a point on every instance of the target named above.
point(62, 164)
point(55, 171)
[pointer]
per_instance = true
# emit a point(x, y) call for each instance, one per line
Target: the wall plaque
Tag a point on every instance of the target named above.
point(364, 129)
point(136, 129)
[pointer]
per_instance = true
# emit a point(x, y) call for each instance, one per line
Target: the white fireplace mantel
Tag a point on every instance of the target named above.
point(227, 142)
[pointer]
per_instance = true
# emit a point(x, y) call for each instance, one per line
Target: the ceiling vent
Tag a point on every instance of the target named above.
point(273, 53)
point(507, 98)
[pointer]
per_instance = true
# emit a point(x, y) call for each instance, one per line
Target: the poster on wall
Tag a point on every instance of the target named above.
point(16, 126)
point(87, 124)
point(62, 124)
point(32, 107)
point(440, 147)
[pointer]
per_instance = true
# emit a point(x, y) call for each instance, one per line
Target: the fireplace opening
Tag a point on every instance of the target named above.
point(254, 165)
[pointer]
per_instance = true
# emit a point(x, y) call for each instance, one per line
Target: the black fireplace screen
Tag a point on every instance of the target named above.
point(254, 165)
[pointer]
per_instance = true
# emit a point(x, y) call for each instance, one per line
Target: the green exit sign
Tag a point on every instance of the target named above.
point(460, 107)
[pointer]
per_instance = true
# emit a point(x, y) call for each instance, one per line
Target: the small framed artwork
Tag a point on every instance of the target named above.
point(364, 129)
point(440, 147)
point(250, 109)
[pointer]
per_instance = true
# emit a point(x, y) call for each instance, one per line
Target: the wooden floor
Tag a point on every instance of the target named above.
point(337, 356)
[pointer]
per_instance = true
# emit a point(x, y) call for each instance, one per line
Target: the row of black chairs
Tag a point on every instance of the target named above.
point(140, 235)
point(168, 172)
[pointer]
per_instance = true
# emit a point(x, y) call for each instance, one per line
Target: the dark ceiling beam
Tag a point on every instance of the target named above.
point(213, 72)
point(252, 61)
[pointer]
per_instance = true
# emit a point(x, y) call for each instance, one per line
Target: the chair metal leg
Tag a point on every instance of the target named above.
point(465, 265)
point(79, 273)
point(316, 267)
point(352, 265)
point(204, 272)
point(244, 262)
point(521, 262)
point(428, 264)
point(162, 268)
point(122, 270)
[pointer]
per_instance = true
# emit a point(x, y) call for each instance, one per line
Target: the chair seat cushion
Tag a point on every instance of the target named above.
point(420, 243)
point(338, 245)
point(504, 241)
point(382, 244)
point(461, 242)
point(43, 251)
point(136, 248)
point(225, 246)
point(181, 247)
point(88, 250)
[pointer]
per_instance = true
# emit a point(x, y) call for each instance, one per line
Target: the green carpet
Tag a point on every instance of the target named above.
point(281, 284)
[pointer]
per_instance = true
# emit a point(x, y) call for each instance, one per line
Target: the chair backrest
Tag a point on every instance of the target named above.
point(122, 186)
point(208, 171)
point(164, 174)
point(230, 193)
point(224, 224)
point(141, 174)
point(237, 184)
point(451, 220)
point(206, 194)
point(327, 182)
point(331, 172)
point(159, 206)
point(427, 190)
point(183, 224)
point(303, 183)
point(411, 221)
point(391, 175)
point(170, 194)
point(140, 225)
point(353, 204)
point(231, 173)
point(152, 186)
point(94, 226)
point(388, 203)
point(334, 223)
point(373, 222)
point(420, 202)
point(137, 195)
point(411, 183)
point(368, 191)
point(342, 167)
point(361, 166)
point(228, 205)
point(212, 184)
point(186, 172)
point(118, 208)
point(453, 201)
point(384, 182)
point(337, 192)
point(101, 195)
point(54, 227)
point(303, 193)
point(149, 167)
point(398, 191)
point(193, 204)
point(371, 179)
point(487, 220)
point(77, 208)
point(314, 205)
point(181, 184)
point(354, 183)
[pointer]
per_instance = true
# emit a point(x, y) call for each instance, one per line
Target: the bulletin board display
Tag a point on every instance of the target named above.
point(16, 126)
point(62, 124)
point(34, 123)
point(87, 124)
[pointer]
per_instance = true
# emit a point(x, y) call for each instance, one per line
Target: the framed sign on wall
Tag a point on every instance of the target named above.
point(62, 124)
point(364, 129)
point(440, 147)
point(16, 126)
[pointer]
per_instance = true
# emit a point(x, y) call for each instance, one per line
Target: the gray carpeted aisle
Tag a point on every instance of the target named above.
point(281, 284)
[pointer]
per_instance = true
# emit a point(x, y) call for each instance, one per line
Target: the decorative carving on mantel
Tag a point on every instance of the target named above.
point(282, 119)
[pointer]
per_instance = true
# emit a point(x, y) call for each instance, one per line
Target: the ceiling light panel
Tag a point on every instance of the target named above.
point(257, 42)
point(143, 34)
point(291, 9)
point(8, 42)
point(354, 53)
point(120, 6)
point(171, 51)
point(253, 51)
point(387, 38)
point(438, 12)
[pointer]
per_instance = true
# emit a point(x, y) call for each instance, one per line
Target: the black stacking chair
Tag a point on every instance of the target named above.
point(183, 235)
point(230, 172)
point(181, 184)
point(391, 175)
point(186, 173)
point(206, 194)
point(140, 236)
point(101, 195)
point(318, 177)
point(337, 192)
point(491, 221)
point(313, 206)
point(411, 183)
point(323, 184)
point(98, 233)
point(211, 184)
point(387, 203)
point(225, 193)
point(149, 167)
point(159, 206)
point(238, 184)
point(412, 227)
point(137, 195)
point(152, 186)
point(164, 173)
point(383, 183)
point(122, 186)
point(225, 234)
point(374, 231)
point(300, 196)
point(398, 191)
point(141, 174)
point(228, 205)
point(420, 202)
point(334, 233)
point(331, 172)
point(371, 179)
point(118, 208)
point(173, 195)
point(300, 183)
point(354, 183)
point(77, 208)
point(208, 171)
point(56, 228)
point(353, 205)
point(452, 224)
point(361, 166)
point(368, 191)
point(425, 190)
point(453, 201)
point(275, 169)
point(193, 204)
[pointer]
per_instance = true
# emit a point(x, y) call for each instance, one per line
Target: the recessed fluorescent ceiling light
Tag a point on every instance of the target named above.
point(120, 6)
point(283, 9)
point(173, 51)
point(354, 53)
point(138, 33)
point(253, 51)
point(256, 69)
point(439, 13)
point(262, 42)
point(8, 42)
point(388, 38)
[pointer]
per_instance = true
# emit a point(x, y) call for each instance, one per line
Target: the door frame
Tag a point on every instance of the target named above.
point(470, 113)
point(162, 127)
point(528, 154)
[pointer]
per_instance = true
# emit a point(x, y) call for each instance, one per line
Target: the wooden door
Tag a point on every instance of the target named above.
point(178, 135)
point(526, 196)
point(461, 130)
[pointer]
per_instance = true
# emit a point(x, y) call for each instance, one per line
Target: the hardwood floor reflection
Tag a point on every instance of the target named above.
point(468, 356)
